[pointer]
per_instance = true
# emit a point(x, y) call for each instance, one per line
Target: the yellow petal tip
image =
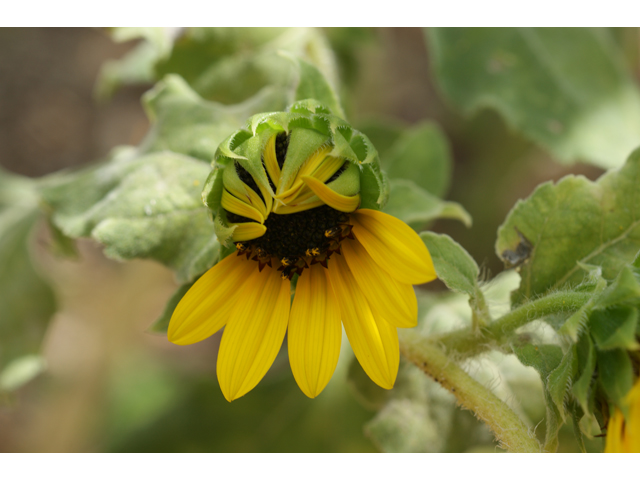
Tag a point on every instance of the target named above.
point(342, 203)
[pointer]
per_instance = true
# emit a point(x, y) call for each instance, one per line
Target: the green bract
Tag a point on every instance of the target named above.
point(310, 126)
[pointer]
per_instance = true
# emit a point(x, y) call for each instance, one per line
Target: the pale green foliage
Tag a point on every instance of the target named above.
point(565, 88)
point(139, 207)
point(575, 220)
point(27, 301)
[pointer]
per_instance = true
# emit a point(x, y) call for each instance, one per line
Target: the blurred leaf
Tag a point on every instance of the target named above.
point(231, 64)
point(185, 123)
point(27, 300)
point(136, 67)
point(421, 155)
point(61, 245)
point(615, 375)
point(545, 359)
point(383, 133)
point(140, 392)
point(161, 325)
point(565, 88)
point(313, 84)
point(145, 207)
point(20, 371)
point(421, 416)
point(614, 328)
point(417, 207)
point(366, 391)
point(575, 220)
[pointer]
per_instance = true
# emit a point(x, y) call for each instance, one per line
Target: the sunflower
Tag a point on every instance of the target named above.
point(296, 200)
point(623, 434)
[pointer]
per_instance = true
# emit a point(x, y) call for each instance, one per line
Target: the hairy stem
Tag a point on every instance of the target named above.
point(512, 434)
point(469, 342)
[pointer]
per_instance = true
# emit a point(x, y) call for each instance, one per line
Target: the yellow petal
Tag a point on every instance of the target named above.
point(335, 200)
point(374, 341)
point(301, 191)
point(255, 331)
point(394, 246)
point(205, 308)
point(247, 231)
point(256, 202)
point(237, 206)
point(309, 166)
point(271, 161)
point(285, 209)
point(394, 301)
point(315, 332)
point(614, 441)
point(632, 428)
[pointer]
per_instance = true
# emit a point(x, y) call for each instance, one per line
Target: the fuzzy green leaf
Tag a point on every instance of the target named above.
point(615, 374)
point(567, 89)
point(454, 266)
point(614, 328)
point(576, 220)
point(559, 381)
point(140, 207)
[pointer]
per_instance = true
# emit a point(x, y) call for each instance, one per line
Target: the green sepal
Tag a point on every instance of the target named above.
point(585, 354)
point(222, 230)
point(212, 190)
point(545, 359)
point(559, 381)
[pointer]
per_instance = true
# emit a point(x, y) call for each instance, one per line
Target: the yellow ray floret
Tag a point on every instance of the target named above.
point(389, 299)
point(271, 161)
point(254, 333)
point(315, 332)
point(394, 246)
point(374, 341)
point(623, 434)
point(206, 306)
point(284, 209)
point(248, 231)
point(335, 200)
point(237, 206)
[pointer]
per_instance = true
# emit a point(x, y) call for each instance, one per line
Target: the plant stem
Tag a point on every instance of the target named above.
point(512, 434)
point(469, 342)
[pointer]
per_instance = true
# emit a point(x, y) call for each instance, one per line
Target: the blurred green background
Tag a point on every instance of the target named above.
point(110, 385)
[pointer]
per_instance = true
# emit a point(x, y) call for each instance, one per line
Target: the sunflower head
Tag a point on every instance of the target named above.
point(281, 189)
point(290, 191)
